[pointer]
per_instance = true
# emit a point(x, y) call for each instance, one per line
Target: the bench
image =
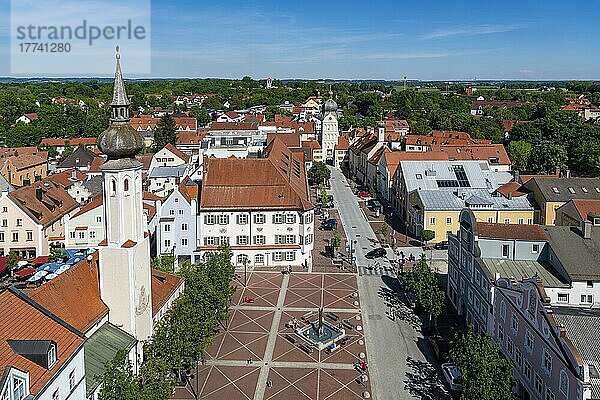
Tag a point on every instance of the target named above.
point(347, 324)
point(343, 341)
point(332, 316)
point(305, 348)
point(290, 338)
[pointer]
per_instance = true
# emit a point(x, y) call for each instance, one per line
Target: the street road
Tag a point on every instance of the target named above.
point(396, 349)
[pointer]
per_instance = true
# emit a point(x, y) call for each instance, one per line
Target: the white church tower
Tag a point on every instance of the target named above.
point(330, 131)
point(125, 284)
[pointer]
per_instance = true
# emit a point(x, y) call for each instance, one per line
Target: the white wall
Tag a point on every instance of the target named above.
point(61, 381)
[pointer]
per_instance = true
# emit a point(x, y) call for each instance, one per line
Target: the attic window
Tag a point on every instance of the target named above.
point(571, 190)
point(52, 356)
point(419, 176)
point(555, 190)
point(584, 189)
point(597, 190)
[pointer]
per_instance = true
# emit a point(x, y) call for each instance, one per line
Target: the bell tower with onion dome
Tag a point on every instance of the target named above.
point(330, 131)
point(125, 280)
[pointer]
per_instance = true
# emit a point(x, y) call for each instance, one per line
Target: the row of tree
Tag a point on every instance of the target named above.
point(182, 335)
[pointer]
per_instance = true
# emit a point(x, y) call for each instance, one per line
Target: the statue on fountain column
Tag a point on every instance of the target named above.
point(321, 321)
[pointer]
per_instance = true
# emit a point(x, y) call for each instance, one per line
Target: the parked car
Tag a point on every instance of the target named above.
point(364, 194)
point(443, 245)
point(329, 224)
point(376, 253)
point(439, 346)
point(374, 204)
point(452, 376)
point(411, 299)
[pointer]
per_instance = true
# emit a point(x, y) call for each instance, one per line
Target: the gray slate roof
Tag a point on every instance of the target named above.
point(94, 184)
point(580, 257)
point(102, 347)
point(523, 269)
point(168, 172)
point(565, 189)
point(582, 326)
point(81, 157)
point(4, 185)
point(444, 200)
point(425, 175)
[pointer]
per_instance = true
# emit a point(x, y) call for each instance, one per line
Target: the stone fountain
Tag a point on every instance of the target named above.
point(320, 333)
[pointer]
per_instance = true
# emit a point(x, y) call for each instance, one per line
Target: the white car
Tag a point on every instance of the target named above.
point(452, 376)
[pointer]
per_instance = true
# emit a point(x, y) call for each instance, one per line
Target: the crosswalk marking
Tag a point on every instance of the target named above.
point(384, 270)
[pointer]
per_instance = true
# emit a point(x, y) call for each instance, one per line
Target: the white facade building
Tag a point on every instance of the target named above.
point(329, 129)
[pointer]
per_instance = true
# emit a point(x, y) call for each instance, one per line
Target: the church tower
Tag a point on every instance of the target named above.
point(125, 284)
point(329, 129)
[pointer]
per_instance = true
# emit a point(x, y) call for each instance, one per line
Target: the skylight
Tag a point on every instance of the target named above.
point(555, 190)
point(584, 189)
point(571, 190)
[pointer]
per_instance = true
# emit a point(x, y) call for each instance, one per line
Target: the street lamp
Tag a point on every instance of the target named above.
point(352, 248)
point(189, 375)
point(246, 261)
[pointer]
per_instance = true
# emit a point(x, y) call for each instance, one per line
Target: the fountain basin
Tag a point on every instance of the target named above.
point(322, 339)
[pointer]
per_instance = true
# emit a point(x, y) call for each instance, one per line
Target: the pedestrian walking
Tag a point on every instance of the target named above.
point(270, 383)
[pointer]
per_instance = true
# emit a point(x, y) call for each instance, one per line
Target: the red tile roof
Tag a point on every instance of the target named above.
point(177, 152)
point(510, 231)
point(585, 207)
point(74, 295)
point(164, 285)
point(343, 143)
point(278, 181)
point(54, 204)
point(487, 152)
point(513, 189)
point(55, 142)
point(20, 319)
point(65, 178)
point(24, 161)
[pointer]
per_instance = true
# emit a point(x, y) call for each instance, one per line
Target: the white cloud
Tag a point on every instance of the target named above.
point(470, 30)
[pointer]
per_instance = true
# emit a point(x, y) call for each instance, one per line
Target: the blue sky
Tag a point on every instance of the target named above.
point(435, 39)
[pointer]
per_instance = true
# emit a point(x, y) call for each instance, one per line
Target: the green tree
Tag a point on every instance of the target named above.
point(385, 229)
point(319, 173)
point(424, 282)
point(335, 242)
point(518, 152)
point(57, 255)
point(118, 381)
point(201, 115)
point(427, 235)
point(323, 197)
point(164, 263)
point(12, 262)
point(486, 374)
point(586, 157)
point(165, 132)
point(546, 156)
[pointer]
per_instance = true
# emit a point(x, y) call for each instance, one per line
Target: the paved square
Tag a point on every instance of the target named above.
point(259, 329)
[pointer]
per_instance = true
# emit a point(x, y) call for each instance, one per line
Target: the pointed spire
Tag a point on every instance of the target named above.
point(119, 94)
point(330, 92)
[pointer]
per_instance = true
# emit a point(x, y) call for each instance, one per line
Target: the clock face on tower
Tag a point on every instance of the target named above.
point(142, 301)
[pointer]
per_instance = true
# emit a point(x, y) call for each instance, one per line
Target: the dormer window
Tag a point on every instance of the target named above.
point(52, 356)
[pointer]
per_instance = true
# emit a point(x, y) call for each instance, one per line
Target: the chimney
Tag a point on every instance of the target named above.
point(381, 132)
point(517, 175)
point(557, 171)
point(510, 195)
point(38, 193)
point(586, 229)
point(567, 173)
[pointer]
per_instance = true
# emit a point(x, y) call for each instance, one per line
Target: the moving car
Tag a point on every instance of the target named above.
point(364, 194)
point(443, 245)
point(452, 376)
point(376, 253)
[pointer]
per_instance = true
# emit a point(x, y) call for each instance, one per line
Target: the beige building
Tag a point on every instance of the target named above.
point(32, 218)
point(24, 169)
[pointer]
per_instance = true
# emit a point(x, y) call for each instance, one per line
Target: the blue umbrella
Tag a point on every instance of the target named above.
point(74, 260)
point(50, 276)
point(71, 252)
point(37, 276)
point(49, 267)
point(62, 269)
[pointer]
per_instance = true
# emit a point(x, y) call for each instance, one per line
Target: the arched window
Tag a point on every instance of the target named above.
point(113, 187)
point(564, 383)
point(126, 185)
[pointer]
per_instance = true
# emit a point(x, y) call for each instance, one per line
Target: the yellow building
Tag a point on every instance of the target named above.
point(551, 193)
point(439, 211)
point(24, 169)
